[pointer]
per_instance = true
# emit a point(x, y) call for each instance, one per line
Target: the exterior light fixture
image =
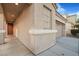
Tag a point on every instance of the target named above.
point(12, 15)
point(16, 4)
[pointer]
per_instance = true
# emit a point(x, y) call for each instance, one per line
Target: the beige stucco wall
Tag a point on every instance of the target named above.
point(68, 28)
point(1, 18)
point(41, 21)
point(60, 25)
point(60, 29)
point(39, 12)
point(2, 26)
point(60, 18)
point(23, 24)
point(71, 21)
point(31, 18)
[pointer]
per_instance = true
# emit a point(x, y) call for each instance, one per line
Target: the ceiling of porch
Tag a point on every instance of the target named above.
point(12, 11)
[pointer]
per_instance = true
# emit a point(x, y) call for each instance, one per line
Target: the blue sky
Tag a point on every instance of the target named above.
point(68, 8)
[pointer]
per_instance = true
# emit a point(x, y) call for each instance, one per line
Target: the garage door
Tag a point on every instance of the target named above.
point(60, 28)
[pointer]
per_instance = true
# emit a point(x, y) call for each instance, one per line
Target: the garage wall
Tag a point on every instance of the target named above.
point(45, 18)
point(60, 28)
point(60, 25)
point(36, 17)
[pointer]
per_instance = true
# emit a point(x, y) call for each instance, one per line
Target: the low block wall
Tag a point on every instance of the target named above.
point(42, 40)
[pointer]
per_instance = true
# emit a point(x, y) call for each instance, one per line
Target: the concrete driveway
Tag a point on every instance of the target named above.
point(65, 46)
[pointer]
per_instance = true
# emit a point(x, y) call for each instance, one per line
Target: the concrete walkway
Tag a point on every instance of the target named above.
point(14, 48)
point(66, 46)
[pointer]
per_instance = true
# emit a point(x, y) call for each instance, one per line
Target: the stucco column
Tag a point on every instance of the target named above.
point(2, 31)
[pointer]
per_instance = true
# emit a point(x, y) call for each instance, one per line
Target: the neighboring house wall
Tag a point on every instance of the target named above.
point(60, 25)
point(35, 27)
point(68, 28)
point(71, 21)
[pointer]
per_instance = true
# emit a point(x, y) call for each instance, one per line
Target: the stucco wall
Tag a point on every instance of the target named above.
point(72, 19)
point(60, 25)
point(60, 18)
point(45, 20)
point(32, 18)
point(41, 21)
point(68, 28)
point(23, 24)
point(60, 29)
point(1, 18)
point(2, 26)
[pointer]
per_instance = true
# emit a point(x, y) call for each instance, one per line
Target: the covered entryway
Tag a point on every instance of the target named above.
point(60, 28)
point(11, 12)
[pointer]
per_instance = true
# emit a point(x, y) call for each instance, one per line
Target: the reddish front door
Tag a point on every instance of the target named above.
point(10, 29)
